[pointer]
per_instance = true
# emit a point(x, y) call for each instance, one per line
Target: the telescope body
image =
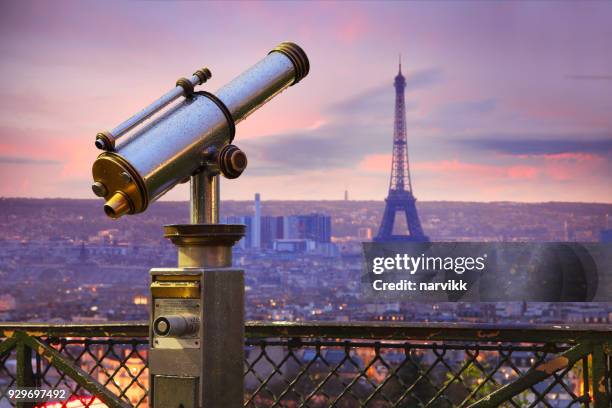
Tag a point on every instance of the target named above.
point(175, 144)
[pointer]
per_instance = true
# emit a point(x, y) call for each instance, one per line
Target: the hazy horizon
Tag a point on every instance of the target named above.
point(165, 200)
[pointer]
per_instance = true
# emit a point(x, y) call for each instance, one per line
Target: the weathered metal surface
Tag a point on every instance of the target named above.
point(8, 344)
point(223, 338)
point(124, 329)
point(53, 357)
point(171, 391)
point(176, 290)
point(600, 393)
point(430, 331)
point(159, 104)
point(356, 330)
point(168, 149)
point(265, 339)
point(25, 376)
point(219, 311)
point(533, 376)
point(204, 198)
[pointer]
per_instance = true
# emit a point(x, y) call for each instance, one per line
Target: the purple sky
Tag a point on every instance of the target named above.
point(505, 101)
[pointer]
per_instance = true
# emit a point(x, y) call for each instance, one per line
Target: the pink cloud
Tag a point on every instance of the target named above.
point(522, 172)
point(575, 166)
point(477, 170)
point(561, 110)
point(454, 165)
point(376, 163)
point(568, 165)
point(382, 163)
point(27, 143)
point(353, 29)
point(551, 168)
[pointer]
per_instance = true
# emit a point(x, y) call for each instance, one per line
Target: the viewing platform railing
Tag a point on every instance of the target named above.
point(322, 364)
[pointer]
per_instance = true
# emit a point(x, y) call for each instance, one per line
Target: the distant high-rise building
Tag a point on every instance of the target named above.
point(400, 197)
point(291, 228)
point(271, 229)
point(256, 232)
point(315, 227)
point(345, 195)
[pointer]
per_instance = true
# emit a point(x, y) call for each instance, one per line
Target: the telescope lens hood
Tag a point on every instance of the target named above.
point(297, 56)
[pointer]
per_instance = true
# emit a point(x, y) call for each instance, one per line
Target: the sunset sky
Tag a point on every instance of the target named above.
point(505, 101)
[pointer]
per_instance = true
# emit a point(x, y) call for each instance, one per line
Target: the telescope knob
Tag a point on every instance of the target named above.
point(232, 161)
point(176, 325)
point(203, 75)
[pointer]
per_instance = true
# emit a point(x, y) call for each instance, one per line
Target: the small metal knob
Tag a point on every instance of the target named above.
point(105, 141)
point(99, 189)
point(203, 74)
point(232, 161)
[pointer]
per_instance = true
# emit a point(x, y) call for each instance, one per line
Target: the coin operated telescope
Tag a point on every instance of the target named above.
point(196, 357)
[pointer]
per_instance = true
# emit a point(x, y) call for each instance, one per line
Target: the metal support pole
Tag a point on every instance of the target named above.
point(600, 392)
point(25, 375)
point(204, 203)
point(197, 329)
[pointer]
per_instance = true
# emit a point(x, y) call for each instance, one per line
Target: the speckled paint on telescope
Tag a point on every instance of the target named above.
point(169, 148)
point(257, 85)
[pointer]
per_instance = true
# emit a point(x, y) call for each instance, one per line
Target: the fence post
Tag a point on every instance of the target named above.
point(25, 375)
point(601, 399)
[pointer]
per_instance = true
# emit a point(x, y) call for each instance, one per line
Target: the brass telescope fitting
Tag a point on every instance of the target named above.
point(105, 141)
point(117, 205)
point(297, 56)
point(119, 184)
point(232, 161)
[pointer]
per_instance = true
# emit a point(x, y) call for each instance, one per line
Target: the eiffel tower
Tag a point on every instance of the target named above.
point(400, 198)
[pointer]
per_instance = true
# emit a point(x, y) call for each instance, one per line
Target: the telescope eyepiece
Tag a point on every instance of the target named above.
point(117, 205)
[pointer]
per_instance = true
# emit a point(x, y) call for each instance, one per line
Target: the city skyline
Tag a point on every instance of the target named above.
point(505, 102)
point(104, 267)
